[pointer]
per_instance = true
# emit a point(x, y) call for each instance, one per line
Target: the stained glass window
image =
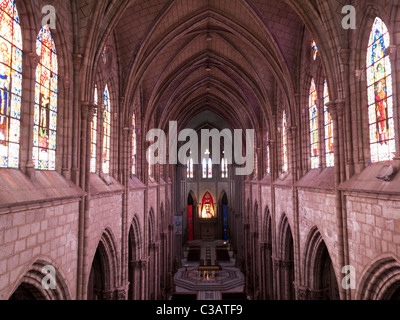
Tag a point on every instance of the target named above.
point(190, 169)
point(45, 113)
point(267, 154)
point(380, 94)
point(93, 157)
point(10, 84)
point(314, 48)
point(285, 160)
point(224, 168)
point(313, 111)
point(204, 168)
point(329, 149)
point(134, 144)
point(107, 131)
point(210, 173)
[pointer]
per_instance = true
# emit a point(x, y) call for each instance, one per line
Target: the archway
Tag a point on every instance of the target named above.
point(103, 276)
point(285, 264)
point(31, 286)
point(319, 272)
point(381, 281)
point(268, 262)
point(134, 273)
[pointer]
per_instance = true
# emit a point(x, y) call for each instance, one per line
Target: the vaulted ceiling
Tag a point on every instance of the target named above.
point(187, 56)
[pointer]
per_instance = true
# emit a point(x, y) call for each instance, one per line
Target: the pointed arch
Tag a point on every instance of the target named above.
point(286, 260)
point(30, 287)
point(319, 273)
point(103, 278)
point(381, 281)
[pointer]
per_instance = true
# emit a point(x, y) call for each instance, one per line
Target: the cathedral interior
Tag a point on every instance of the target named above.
point(86, 211)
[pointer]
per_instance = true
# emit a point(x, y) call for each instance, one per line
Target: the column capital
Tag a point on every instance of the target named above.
point(303, 293)
point(107, 295)
point(143, 264)
point(120, 294)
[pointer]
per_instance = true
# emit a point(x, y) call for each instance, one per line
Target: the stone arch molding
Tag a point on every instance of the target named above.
point(381, 280)
point(36, 279)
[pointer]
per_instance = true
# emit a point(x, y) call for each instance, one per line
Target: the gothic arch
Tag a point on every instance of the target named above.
point(30, 286)
point(103, 278)
point(134, 247)
point(319, 274)
point(381, 281)
point(267, 261)
point(284, 264)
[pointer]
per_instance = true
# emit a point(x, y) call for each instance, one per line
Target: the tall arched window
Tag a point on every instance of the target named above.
point(204, 168)
point(45, 114)
point(329, 149)
point(93, 156)
point(10, 84)
point(190, 174)
point(134, 145)
point(285, 159)
point(267, 154)
point(313, 112)
point(107, 131)
point(380, 94)
point(224, 168)
point(210, 172)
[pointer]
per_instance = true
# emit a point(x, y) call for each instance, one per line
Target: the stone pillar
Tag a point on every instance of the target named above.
point(263, 268)
point(288, 279)
point(135, 284)
point(106, 295)
point(277, 278)
point(29, 165)
point(347, 125)
point(268, 271)
point(336, 109)
point(143, 266)
point(302, 293)
point(120, 294)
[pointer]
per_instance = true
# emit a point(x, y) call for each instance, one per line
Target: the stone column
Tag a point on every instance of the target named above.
point(336, 109)
point(288, 279)
point(263, 268)
point(348, 134)
point(277, 278)
point(133, 268)
point(269, 272)
point(106, 295)
point(143, 266)
point(29, 165)
point(302, 293)
point(120, 294)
